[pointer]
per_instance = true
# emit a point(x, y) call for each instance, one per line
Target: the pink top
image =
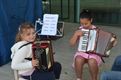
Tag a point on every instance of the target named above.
point(93, 27)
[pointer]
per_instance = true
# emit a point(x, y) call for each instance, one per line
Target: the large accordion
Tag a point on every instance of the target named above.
point(96, 41)
point(42, 51)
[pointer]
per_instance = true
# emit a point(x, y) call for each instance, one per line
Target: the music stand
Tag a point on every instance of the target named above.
point(47, 38)
point(59, 33)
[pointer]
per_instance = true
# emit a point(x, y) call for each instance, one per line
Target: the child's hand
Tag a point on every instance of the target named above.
point(78, 33)
point(74, 38)
point(35, 62)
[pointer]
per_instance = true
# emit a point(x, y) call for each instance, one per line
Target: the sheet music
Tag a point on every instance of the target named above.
point(49, 24)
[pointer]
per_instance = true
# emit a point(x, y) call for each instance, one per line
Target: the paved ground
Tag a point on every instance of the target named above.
point(64, 54)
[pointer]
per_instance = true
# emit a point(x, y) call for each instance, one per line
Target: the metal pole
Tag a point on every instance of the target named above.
point(61, 9)
point(77, 10)
point(50, 6)
point(68, 9)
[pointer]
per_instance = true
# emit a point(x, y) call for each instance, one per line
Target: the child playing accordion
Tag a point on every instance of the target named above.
point(89, 39)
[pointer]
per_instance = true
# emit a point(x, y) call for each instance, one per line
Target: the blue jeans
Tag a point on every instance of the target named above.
point(117, 64)
point(111, 75)
point(115, 73)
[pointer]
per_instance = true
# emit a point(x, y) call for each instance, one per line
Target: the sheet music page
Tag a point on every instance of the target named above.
point(49, 24)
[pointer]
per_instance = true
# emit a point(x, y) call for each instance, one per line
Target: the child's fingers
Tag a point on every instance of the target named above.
point(35, 62)
point(78, 33)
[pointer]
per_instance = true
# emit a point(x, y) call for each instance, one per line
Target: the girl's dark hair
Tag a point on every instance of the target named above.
point(86, 14)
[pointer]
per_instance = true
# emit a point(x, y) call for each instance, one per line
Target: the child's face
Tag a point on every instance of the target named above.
point(28, 35)
point(85, 22)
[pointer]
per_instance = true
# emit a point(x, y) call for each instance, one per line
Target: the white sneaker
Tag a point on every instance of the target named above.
point(78, 79)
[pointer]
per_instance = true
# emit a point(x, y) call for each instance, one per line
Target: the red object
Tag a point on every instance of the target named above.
point(41, 45)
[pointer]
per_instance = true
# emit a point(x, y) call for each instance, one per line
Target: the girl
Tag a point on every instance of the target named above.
point(81, 58)
point(26, 34)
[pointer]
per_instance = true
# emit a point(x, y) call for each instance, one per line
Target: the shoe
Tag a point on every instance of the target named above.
point(78, 79)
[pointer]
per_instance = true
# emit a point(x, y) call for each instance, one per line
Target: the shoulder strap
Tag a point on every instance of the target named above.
point(24, 45)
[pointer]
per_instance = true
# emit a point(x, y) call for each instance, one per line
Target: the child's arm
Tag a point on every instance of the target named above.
point(18, 61)
point(75, 37)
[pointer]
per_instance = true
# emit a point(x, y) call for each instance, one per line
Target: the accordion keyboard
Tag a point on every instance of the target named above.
point(83, 40)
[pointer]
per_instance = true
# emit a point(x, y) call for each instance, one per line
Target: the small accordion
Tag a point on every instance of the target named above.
point(96, 41)
point(42, 51)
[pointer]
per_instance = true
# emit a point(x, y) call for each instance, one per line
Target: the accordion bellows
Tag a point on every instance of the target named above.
point(96, 41)
point(42, 51)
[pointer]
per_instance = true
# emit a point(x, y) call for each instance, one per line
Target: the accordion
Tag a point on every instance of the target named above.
point(96, 41)
point(42, 51)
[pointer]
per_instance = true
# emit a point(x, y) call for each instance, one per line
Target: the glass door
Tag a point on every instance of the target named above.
point(65, 8)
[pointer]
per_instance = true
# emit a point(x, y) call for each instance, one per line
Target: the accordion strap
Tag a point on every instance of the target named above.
point(25, 45)
point(102, 59)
